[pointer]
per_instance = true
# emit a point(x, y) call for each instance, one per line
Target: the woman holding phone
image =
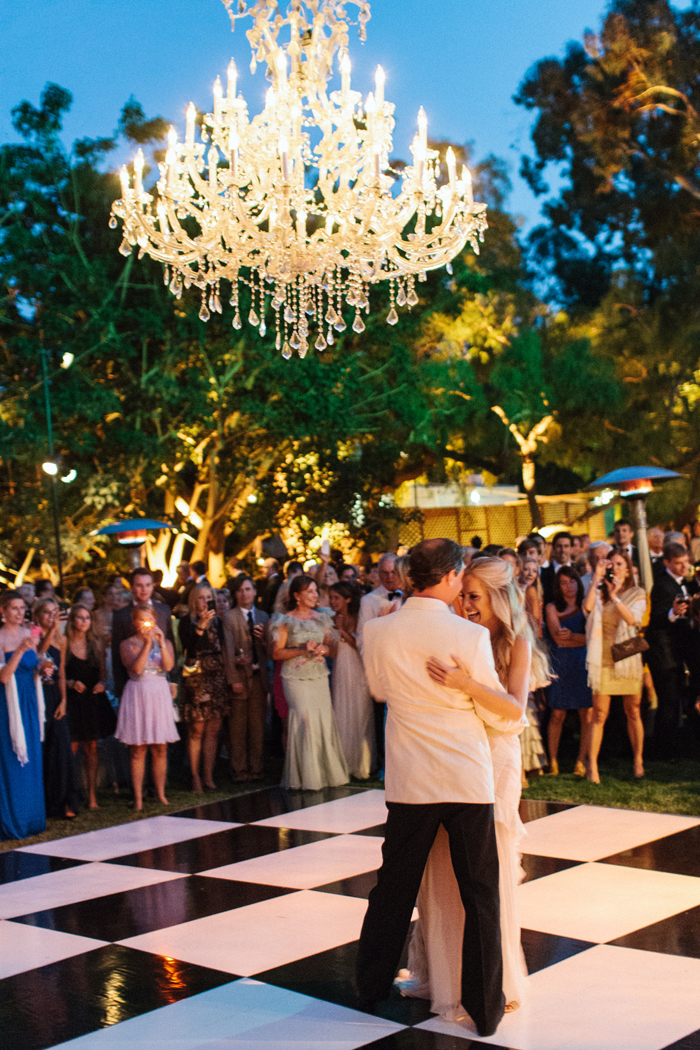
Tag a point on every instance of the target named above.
point(206, 694)
point(146, 710)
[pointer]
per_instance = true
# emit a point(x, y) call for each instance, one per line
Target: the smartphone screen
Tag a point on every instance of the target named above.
point(210, 604)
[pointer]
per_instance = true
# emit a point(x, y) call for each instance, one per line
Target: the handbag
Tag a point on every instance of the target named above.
point(189, 669)
point(630, 647)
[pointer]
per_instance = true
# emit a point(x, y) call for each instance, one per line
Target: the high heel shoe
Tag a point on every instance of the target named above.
point(553, 768)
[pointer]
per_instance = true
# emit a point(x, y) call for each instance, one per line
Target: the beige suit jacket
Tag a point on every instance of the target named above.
point(237, 639)
point(436, 744)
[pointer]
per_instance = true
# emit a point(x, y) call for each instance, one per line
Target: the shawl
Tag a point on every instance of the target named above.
point(636, 600)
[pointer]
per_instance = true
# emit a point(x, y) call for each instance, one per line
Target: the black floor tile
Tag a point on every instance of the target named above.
point(15, 865)
point(677, 935)
point(223, 847)
point(688, 1042)
point(64, 1000)
point(121, 915)
point(533, 809)
point(419, 1039)
point(379, 830)
point(355, 886)
point(268, 802)
point(330, 976)
point(679, 854)
point(537, 867)
point(545, 949)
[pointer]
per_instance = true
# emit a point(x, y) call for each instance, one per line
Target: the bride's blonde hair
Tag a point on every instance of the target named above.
point(508, 604)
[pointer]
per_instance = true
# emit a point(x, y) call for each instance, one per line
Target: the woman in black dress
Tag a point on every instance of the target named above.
point(206, 694)
point(89, 711)
point(61, 786)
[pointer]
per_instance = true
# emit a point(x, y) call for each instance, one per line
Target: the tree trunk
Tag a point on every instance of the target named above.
point(529, 486)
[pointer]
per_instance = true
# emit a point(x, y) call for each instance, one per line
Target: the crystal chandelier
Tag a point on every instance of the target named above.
point(299, 203)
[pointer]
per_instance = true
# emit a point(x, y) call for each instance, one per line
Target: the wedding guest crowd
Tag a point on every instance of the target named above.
point(275, 664)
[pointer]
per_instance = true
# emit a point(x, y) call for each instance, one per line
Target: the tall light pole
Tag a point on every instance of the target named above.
point(51, 468)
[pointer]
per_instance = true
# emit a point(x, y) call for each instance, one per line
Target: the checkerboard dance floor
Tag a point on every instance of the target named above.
point(234, 926)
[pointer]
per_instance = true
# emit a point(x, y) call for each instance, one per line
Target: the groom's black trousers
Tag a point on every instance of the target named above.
point(410, 833)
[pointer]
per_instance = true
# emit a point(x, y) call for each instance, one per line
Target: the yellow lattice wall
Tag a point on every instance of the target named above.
point(496, 524)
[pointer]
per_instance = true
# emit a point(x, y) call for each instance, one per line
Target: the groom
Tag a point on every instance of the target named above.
point(438, 771)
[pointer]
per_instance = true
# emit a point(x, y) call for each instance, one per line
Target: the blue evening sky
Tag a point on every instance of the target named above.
point(461, 59)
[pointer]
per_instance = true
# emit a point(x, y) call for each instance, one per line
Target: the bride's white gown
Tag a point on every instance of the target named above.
point(435, 951)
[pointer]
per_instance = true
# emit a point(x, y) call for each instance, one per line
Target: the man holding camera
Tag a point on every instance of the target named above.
point(672, 645)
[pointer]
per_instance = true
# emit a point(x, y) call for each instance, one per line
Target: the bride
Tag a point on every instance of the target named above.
point(490, 598)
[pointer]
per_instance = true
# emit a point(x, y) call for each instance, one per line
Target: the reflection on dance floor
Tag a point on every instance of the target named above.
point(235, 925)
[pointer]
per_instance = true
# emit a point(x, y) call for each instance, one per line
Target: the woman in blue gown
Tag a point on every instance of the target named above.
point(22, 810)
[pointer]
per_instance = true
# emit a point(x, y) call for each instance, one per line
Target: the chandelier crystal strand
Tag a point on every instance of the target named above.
point(301, 195)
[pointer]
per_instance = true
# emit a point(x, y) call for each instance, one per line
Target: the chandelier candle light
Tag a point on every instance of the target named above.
point(299, 203)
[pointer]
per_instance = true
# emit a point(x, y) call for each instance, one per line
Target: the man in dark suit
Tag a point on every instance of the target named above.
point(561, 555)
point(623, 535)
point(245, 641)
point(122, 627)
point(671, 645)
point(273, 584)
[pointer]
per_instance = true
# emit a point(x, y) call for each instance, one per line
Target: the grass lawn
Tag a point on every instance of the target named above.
point(669, 787)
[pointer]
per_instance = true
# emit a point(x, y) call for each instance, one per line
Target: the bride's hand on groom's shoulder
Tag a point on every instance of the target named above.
point(452, 677)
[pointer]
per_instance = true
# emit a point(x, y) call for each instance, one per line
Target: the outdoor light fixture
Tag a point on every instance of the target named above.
point(50, 467)
point(67, 359)
point(634, 484)
point(70, 476)
point(299, 202)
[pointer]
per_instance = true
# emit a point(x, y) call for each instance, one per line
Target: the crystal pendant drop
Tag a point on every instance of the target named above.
point(236, 322)
point(212, 303)
point(125, 248)
point(166, 276)
point(204, 314)
point(340, 325)
point(113, 223)
point(288, 314)
point(401, 296)
point(263, 327)
point(329, 338)
point(449, 268)
point(320, 343)
point(303, 347)
point(331, 316)
point(278, 341)
point(358, 325)
point(295, 341)
point(253, 318)
point(392, 316)
point(412, 299)
point(286, 351)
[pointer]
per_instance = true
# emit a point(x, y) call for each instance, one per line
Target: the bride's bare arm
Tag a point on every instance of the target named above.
point(510, 705)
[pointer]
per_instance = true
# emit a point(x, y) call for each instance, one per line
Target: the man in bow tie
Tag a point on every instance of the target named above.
point(245, 640)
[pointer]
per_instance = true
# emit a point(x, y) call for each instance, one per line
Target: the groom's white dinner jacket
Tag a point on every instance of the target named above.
point(436, 744)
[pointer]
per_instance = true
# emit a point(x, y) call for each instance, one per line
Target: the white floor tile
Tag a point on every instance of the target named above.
point(75, 884)
point(258, 937)
point(594, 832)
point(26, 947)
point(123, 839)
point(607, 998)
point(304, 867)
point(599, 902)
point(243, 1015)
point(345, 815)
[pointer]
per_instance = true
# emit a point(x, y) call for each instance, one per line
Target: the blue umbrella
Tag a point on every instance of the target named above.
point(132, 525)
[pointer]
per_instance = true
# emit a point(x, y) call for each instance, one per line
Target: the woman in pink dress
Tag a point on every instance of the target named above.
point(146, 709)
